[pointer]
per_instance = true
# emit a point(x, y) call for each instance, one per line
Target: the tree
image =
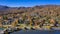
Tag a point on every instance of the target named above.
point(5, 17)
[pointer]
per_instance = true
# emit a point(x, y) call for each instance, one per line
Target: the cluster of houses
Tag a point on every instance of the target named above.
point(28, 20)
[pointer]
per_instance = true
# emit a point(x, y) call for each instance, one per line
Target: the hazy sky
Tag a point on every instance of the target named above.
point(28, 3)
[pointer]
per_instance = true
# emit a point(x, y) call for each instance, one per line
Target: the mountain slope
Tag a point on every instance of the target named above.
point(38, 9)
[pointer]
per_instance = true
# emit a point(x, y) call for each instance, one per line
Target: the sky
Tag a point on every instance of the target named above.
point(28, 3)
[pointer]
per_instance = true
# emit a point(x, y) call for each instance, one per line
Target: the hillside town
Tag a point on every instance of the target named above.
point(35, 18)
point(26, 21)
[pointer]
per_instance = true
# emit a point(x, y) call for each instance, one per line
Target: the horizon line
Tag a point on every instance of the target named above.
point(31, 6)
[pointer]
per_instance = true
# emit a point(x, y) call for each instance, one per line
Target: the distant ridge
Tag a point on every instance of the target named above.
point(6, 9)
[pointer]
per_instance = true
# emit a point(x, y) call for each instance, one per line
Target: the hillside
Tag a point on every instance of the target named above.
point(42, 10)
point(43, 16)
